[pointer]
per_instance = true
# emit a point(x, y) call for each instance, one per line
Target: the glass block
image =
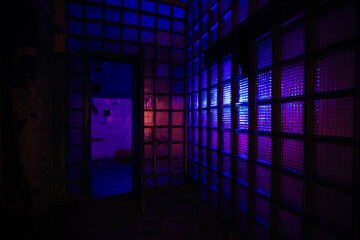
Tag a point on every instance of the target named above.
point(226, 136)
point(213, 97)
point(292, 80)
point(242, 145)
point(263, 117)
point(293, 43)
point(263, 148)
point(226, 93)
point(226, 117)
point(291, 191)
point(264, 53)
point(263, 86)
point(292, 117)
point(213, 118)
point(292, 155)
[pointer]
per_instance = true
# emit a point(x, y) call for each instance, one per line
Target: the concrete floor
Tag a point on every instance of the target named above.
point(173, 215)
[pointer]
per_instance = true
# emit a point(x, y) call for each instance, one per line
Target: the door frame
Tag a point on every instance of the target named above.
point(137, 119)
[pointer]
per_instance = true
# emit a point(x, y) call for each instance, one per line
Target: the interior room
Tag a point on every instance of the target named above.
point(180, 119)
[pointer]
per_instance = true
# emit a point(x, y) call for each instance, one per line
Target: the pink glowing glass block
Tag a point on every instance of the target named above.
point(162, 134)
point(177, 103)
point(225, 165)
point(203, 118)
point(292, 117)
point(292, 80)
point(292, 155)
point(264, 53)
point(293, 43)
point(162, 150)
point(262, 210)
point(263, 86)
point(334, 162)
point(148, 118)
point(148, 134)
point(213, 138)
point(162, 102)
point(241, 172)
point(177, 150)
point(177, 134)
point(243, 117)
point(213, 118)
point(264, 117)
point(177, 118)
point(334, 117)
point(333, 207)
point(335, 71)
point(262, 180)
point(149, 151)
point(162, 118)
point(226, 117)
point(291, 191)
point(226, 141)
point(263, 150)
point(290, 225)
point(242, 145)
point(336, 25)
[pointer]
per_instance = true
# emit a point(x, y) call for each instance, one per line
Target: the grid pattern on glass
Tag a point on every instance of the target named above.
point(264, 86)
point(203, 99)
point(292, 117)
point(291, 192)
point(262, 180)
point(334, 162)
point(293, 43)
point(263, 150)
point(243, 88)
point(226, 117)
point(225, 165)
point(264, 53)
point(226, 95)
point(334, 117)
point(243, 117)
point(264, 118)
point(242, 145)
point(213, 97)
point(335, 71)
point(203, 120)
point(225, 69)
point(213, 117)
point(292, 155)
point(226, 141)
point(213, 138)
point(292, 80)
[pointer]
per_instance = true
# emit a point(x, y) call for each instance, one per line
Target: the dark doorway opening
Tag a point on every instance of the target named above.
point(110, 105)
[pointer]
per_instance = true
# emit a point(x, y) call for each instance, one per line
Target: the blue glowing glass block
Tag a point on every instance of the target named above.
point(214, 32)
point(163, 24)
point(264, 53)
point(178, 71)
point(226, 69)
point(113, 2)
point(74, 9)
point(148, 6)
point(204, 42)
point(264, 117)
point(112, 32)
point(213, 97)
point(226, 93)
point(147, 36)
point(203, 79)
point(226, 117)
point(74, 27)
point(112, 15)
point(264, 86)
point(178, 26)
point(94, 29)
point(213, 75)
point(164, 9)
point(243, 117)
point(93, 12)
point(196, 65)
point(213, 118)
point(178, 87)
point(292, 117)
point(178, 12)
point(147, 21)
point(131, 4)
point(195, 82)
point(130, 34)
point(226, 23)
point(131, 18)
point(203, 99)
point(243, 85)
point(292, 80)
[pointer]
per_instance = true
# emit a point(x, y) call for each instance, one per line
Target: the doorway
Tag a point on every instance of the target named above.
point(110, 109)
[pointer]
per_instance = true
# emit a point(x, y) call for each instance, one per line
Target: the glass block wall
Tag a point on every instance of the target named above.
point(276, 152)
point(122, 27)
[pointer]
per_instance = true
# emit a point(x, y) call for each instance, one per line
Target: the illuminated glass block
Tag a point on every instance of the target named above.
point(334, 117)
point(292, 117)
point(213, 97)
point(226, 93)
point(225, 165)
point(264, 117)
point(195, 120)
point(293, 43)
point(243, 86)
point(213, 75)
point(204, 40)
point(262, 211)
point(213, 138)
point(263, 148)
point(264, 53)
point(195, 83)
point(226, 141)
point(203, 99)
point(226, 117)
point(243, 117)
point(264, 86)
point(291, 191)
point(203, 120)
point(213, 118)
point(225, 23)
point(292, 80)
point(195, 102)
point(262, 180)
point(292, 155)
point(335, 71)
point(242, 145)
point(203, 79)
